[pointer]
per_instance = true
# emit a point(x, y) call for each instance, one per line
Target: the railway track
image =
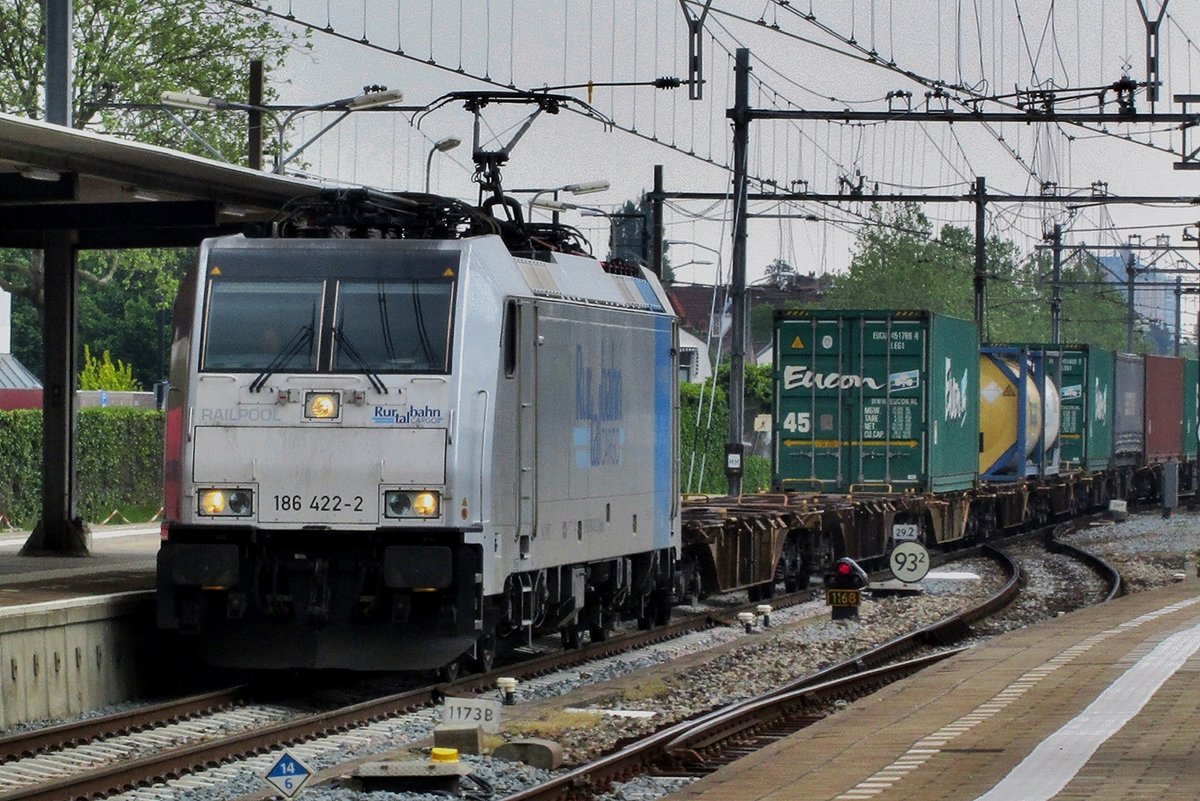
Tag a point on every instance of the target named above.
point(699, 746)
point(120, 752)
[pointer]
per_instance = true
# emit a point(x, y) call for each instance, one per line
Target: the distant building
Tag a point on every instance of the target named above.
point(703, 308)
point(1154, 299)
point(19, 388)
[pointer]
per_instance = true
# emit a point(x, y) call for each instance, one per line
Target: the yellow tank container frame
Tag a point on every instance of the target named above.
point(998, 415)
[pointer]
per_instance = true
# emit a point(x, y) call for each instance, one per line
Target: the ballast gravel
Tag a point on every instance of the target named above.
point(697, 672)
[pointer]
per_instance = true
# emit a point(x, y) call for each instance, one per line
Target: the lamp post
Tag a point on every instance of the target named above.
point(442, 145)
point(584, 188)
point(375, 97)
point(703, 262)
point(715, 251)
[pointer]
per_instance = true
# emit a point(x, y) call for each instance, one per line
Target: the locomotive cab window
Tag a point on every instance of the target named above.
point(397, 326)
point(251, 325)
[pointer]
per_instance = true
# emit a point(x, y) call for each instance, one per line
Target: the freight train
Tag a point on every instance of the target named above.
point(406, 433)
point(894, 425)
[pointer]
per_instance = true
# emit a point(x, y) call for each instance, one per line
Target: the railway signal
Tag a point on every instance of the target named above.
point(843, 588)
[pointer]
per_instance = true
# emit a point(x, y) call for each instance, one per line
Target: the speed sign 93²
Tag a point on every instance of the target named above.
point(909, 561)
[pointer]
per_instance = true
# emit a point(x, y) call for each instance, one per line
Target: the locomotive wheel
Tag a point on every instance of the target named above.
point(662, 608)
point(598, 633)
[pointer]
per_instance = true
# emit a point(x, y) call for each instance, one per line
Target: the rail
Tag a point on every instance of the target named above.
point(682, 740)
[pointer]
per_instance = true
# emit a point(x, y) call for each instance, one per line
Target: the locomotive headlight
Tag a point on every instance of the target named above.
point(226, 502)
point(212, 502)
point(322, 405)
point(411, 503)
point(425, 504)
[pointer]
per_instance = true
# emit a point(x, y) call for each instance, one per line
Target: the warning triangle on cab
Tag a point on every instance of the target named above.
point(797, 344)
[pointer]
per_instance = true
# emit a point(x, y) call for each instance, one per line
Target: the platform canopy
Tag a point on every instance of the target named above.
point(62, 190)
point(120, 194)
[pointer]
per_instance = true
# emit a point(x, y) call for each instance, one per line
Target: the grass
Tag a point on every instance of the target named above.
point(132, 513)
point(554, 724)
point(655, 688)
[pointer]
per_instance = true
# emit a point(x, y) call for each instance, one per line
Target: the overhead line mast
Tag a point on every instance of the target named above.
point(742, 115)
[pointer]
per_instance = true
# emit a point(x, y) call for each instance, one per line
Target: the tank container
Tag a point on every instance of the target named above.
point(1019, 413)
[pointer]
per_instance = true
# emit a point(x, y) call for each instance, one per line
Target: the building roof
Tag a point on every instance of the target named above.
point(14, 375)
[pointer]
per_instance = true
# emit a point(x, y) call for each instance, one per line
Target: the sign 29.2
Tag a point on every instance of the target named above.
point(318, 503)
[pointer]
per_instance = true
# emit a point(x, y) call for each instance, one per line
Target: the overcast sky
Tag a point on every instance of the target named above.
point(979, 48)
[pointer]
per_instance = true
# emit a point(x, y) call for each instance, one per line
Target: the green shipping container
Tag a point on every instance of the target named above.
point(1086, 393)
point(875, 401)
point(1191, 376)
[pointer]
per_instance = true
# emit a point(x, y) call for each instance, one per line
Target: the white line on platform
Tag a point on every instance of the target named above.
point(141, 531)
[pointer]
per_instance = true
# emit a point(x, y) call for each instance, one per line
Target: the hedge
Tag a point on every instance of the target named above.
point(118, 452)
point(702, 445)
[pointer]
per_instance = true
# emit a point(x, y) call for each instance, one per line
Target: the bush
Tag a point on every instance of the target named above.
point(118, 461)
point(702, 445)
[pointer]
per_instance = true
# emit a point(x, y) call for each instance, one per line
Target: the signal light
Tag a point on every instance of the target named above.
point(846, 575)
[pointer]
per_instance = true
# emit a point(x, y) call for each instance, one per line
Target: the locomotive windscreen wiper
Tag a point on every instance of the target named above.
point(299, 340)
point(359, 362)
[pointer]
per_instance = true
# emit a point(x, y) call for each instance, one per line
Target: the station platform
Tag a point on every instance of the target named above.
point(76, 633)
point(1100, 704)
point(122, 560)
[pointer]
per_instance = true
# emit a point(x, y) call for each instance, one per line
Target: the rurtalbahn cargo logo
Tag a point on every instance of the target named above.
point(599, 406)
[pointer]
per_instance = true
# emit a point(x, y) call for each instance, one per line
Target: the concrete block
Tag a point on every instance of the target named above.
point(537, 753)
point(466, 739)
point(410, 776)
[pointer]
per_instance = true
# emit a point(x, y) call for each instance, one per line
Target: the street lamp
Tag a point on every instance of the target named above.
point(440, 146)
point(669, 242)
point(584, 188)
point(374, 98)
point(702, 262)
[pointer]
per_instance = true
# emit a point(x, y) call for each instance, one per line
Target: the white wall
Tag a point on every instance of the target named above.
point(5, 322)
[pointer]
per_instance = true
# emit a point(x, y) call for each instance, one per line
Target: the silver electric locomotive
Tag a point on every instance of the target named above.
point(409, 453)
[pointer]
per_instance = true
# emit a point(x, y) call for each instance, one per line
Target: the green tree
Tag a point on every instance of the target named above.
point(102, 373)
point(780, 274)
point(129, 52)
point(898, 263)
